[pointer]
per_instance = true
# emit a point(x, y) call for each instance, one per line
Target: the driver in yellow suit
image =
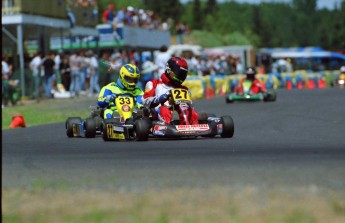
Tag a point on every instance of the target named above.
point(126, 84)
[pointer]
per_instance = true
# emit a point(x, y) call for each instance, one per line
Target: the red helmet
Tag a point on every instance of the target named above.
point(176, 70)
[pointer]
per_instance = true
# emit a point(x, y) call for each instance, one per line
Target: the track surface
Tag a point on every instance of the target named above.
point(297, 141)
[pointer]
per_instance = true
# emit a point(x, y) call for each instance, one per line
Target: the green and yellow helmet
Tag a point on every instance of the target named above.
point(129, 76)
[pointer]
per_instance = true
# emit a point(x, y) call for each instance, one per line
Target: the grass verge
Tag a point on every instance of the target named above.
point(46, 111)
point(203, 205)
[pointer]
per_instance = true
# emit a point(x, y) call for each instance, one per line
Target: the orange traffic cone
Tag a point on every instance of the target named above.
point(311, 84)
point(209, 93)
point(300, 85)
point(222, 90)
point(17, 121)
point(289, 85)
point(321, 83)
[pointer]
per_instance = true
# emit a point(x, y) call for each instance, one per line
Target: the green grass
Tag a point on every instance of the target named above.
point(183, 205)
point(44, 112)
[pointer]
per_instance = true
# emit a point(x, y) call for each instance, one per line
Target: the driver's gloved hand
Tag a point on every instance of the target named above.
point(110, 98)
point(163, 98)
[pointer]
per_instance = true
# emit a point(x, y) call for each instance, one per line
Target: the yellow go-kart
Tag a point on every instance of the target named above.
point(125, 121)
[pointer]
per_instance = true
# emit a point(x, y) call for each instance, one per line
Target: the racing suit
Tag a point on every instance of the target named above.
point(117, 89)
point(153, 90)
point(256, 87)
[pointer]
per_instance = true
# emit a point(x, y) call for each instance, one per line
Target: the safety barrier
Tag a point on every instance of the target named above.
point(210, 86)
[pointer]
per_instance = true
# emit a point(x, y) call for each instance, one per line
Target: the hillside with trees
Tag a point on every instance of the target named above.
point(295, 24)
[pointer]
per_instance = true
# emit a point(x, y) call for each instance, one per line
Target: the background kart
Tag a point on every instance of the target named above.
point(269, 95)
point(89, 127)
point(209, 125)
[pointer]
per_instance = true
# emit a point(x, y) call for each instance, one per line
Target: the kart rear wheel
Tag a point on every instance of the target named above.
point(270, 96)
point(228, 126)
point(141, 130)
point(228, 100)
point(90, 128)
point(98, 121)
point(203, 118)
point(69, 125)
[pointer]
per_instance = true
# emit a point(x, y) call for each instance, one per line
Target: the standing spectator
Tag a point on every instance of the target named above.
point(35, 66)
point(130, 15)
point(65, 72)
point(120, 20)
point(149, 69)
point(6, 71)
point(180, 29)
point(84, 65)
point(93, 73)
point(239, 66)
point(109, 15)
point(161, 59)
point(75, 66)
point(104, 73)
point(57, 60)
point(48, 66)
point(117, 60)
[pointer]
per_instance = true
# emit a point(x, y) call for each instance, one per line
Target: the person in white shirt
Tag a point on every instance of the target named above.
point(35, 66)
point(6, 71)
point(161, 59)
point(93, 74)
point(148, 72)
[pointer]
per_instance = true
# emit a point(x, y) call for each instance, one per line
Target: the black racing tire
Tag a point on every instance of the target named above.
point(69, 127)
point(141, 130)
point(203, 118)
point(228, 100)
point(105, 129)
point(273, 96)
point(270, 96)
point(99, 122)
point(90, 128)
point(228, 126)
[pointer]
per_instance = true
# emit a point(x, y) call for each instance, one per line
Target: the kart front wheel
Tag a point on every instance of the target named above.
point(90, 128)
point(141, 130)
point(107, 128)
point(270, 96)
point(69, 125)
point(228, 126)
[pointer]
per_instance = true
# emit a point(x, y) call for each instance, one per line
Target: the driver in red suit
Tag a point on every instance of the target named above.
point(256, 87)
point(157, 92)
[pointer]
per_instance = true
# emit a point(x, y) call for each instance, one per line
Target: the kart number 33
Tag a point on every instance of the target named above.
point(125, 100)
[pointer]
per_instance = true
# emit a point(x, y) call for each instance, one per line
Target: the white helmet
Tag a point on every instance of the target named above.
point(342, 69)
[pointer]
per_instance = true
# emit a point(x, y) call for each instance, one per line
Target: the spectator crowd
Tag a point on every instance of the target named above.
point(82, 72)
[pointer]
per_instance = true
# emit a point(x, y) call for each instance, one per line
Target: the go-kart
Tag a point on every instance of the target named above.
point(89, 127)
point(179, 99)
point(124, 122)
point(246, 95)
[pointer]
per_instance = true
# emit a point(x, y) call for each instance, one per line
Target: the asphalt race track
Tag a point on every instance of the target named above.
point(297, 141)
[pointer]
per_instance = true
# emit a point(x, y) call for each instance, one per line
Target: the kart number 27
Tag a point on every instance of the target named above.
point(180, 94)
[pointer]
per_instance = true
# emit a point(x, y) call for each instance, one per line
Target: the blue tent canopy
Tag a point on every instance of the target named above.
point(302, 52)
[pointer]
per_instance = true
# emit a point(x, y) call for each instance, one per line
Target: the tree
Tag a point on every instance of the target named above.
point(165, 9)
point(211, 7)
point(197, 21)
